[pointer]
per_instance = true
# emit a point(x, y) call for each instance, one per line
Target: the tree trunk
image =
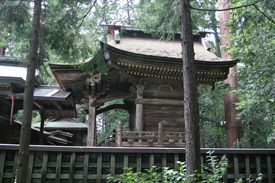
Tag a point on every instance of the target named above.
point(2, 51)
point(191, 110)
point(233, 126)
point(28, 97)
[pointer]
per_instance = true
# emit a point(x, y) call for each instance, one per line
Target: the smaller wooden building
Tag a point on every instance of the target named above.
point(51, 102)
point(147, 73)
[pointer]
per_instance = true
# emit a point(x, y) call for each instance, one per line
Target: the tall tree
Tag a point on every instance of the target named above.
point(191, 109)
point(233, 126)
point(28, 96)
point(253, 36)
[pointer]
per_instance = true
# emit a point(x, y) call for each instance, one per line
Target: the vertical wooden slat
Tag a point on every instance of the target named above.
point(138, 162)
point(225, 178)
point(85, 167)
point(125, 162)
point(71, 171)
point(58, 167)
point(113, 164)
point(236, 167)
point(269, 169)
point(163, 160)
point(44, 167)
point(247, 166)
point(30, 167)
point(2, 164)
point(258, 165)
point(202, 159)
point(99, 168)
point(151, 160)
point(176, 165)
point(14, 167)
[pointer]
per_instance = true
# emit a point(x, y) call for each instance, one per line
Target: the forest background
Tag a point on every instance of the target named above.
point(70, 31)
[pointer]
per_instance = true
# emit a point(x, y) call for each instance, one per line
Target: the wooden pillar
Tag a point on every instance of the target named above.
point(139, 109)
point(91, 136)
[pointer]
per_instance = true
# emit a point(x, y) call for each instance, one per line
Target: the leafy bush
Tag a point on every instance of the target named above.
point(212, 172)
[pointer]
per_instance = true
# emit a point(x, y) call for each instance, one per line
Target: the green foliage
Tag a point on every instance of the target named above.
point(212, 122)
point(212, 172)
point(162, 16)
point(95, 64)
point(35, 116)
point(109, 120)
point(254, 46)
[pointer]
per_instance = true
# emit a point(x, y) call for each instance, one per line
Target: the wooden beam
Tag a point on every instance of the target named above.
point(110, 107)
point(91, 137)
point(40, 106)
point(57, 105)
point(159, 102)
point(156, 93)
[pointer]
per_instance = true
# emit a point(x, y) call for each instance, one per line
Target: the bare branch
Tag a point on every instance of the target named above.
point(227, 9)
point(263, 14)
point(86, 14)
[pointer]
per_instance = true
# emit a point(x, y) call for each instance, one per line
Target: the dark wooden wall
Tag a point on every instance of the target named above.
point(172, 116)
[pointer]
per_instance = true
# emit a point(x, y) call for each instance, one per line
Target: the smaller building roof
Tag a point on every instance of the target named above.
point(63, 124)
point(47, 92)
point(13, 67)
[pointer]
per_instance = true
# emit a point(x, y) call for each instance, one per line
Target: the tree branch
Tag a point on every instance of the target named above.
point(227, 9)
point(86, 14)
point(263, 13)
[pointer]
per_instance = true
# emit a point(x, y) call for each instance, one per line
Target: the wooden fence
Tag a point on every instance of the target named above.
point(93, 164)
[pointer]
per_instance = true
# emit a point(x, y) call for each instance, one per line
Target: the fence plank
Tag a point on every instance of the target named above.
point(113, 161)
point(30, 167)
point(225, 178)
point(14, 167)
point(247, 166)
point(269, 169)
point(71, 171)
point(138, 162)
point(163, 160)
point(44, 167)
point(99, 168)
point(85, 167)
point(176, 165)
point(2, 164)
point(58, 167)
point(236, 167)
point(125, 162)
point(202, 159)
point(151, 160)
point(258, 166)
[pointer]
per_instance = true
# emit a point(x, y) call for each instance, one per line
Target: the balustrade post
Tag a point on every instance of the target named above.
point(119, 135)
point(160, 133)
point(180, 138)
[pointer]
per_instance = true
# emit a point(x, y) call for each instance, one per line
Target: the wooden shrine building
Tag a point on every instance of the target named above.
point(145, 72)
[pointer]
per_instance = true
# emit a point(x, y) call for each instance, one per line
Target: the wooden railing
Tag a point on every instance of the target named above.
point(158, 138)
point(93, 164)
point(151, 139)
